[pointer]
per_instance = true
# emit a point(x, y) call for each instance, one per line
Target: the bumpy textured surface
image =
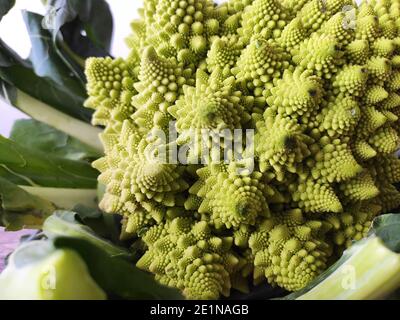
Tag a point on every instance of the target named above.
point(317, 81)
point(185, 254)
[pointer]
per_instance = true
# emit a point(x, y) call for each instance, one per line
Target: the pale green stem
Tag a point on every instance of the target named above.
point(59, 120)
point(372, 272)
point(65, 198)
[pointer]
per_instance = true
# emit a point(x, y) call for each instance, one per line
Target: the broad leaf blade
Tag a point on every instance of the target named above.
point(103, 224)
point(387, 227)
point(67, 224)
point(46, 62)
point(80, 29)
point(95, 18)
point(24, 166)
point(53, 84)
point(45, 113)
point(44, 89)
point(39, 136)
point(19, 209)
point(5, 6)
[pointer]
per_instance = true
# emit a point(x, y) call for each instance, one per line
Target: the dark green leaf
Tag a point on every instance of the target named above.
point(36, 135)
point(19, 209)
point(24, 166)
point(5, 6)
point(103, 224)
point(43, 89)
point(115, 275)
point(45, 60)
point(95, 17)
point(80, 29)
point(54, 84)
point(43, 57)
point(8, 57)
point(67, 224)
point(84, 132)
point(394, 296)
point(387, 227)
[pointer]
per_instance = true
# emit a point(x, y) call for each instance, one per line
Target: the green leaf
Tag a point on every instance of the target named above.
point(35, 135)
point(24, 166)
point(45, 77)
point(387, 227)
point(95, 18)
point(21, 76)
point(68, 224)
point(46, 62)
point(46, 90)
point(369, 269)
point(117, 276)
point(44, 87)
point(59, 97)
point(103, 224)
point(80, 29)
point(42, 112)
point(5, 6)
point(39, 136)
point(19, 209)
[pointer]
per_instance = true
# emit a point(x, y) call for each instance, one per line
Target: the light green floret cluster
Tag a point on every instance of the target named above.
point(316, 81)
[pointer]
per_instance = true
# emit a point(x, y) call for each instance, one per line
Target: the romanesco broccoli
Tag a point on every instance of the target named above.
point(318, 83)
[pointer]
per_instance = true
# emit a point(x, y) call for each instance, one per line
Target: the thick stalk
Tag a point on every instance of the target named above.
point(73, 127)
point(371, 272)
point(65, 198)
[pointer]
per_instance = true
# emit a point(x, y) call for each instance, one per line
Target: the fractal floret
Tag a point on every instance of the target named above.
point(184, 253)
point(251, 140)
